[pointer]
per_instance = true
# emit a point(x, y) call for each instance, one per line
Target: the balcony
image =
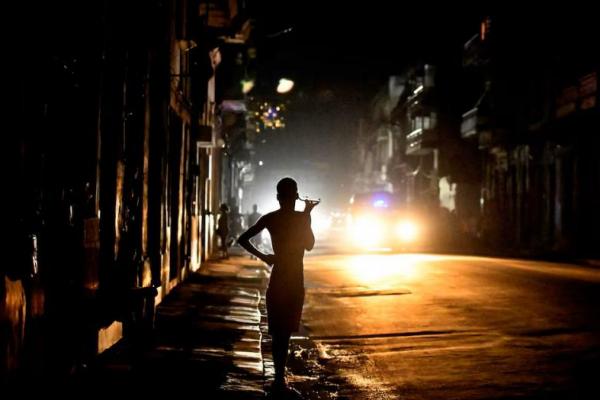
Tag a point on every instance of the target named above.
point(422, 105)
point(421, 141)
point(422, 101)
point(491, 138)
point(473, 122)
point(476, 52)
point(477, 126)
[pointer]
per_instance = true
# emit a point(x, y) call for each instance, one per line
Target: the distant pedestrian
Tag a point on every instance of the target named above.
point(223, 230)
point(254, 216)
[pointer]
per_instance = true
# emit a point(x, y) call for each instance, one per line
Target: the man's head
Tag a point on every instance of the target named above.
point(255, 208)
point(287, 192)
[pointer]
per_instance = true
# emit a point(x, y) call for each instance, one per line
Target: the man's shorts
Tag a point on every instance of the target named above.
point(284, 310)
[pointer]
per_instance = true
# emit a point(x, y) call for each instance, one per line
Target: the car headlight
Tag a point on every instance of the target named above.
point(366, 231)
point(407, 231)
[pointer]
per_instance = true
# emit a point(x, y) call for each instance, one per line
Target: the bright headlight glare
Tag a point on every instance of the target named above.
point(407, 231)
point(320, 223)
point(366, 231)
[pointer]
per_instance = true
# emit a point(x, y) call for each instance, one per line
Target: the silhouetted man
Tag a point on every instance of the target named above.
point(291, 234)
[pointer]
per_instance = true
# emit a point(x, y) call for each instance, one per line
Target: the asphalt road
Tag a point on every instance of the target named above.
point(418, 326)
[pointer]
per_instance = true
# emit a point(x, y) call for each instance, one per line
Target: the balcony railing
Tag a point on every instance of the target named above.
point(421, 141)
point(473, 123)
point(468, 127)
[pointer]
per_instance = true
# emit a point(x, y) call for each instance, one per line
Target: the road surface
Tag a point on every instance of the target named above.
point(418, 326)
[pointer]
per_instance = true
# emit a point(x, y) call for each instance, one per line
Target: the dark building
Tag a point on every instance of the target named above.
point(115, 170)
point(533, 116)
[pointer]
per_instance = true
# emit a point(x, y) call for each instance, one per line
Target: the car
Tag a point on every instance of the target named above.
point(380, 219)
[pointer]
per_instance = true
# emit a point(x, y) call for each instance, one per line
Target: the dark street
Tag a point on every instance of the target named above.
point(301, 199)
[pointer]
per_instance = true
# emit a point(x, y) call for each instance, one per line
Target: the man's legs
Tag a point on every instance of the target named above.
point(281, 343)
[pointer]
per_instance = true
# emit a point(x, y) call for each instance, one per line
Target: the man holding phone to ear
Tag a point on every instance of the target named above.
point(291, 234)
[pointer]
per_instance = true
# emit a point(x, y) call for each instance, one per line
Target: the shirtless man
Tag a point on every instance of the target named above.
point(291, 235)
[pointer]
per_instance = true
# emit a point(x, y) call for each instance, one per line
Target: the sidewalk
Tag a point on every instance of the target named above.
point(208, 337)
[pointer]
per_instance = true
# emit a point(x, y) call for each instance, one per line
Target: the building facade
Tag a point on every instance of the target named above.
point(115, 167)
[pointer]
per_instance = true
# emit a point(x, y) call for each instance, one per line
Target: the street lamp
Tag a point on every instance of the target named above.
point(285, 85)
point(247, 85)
